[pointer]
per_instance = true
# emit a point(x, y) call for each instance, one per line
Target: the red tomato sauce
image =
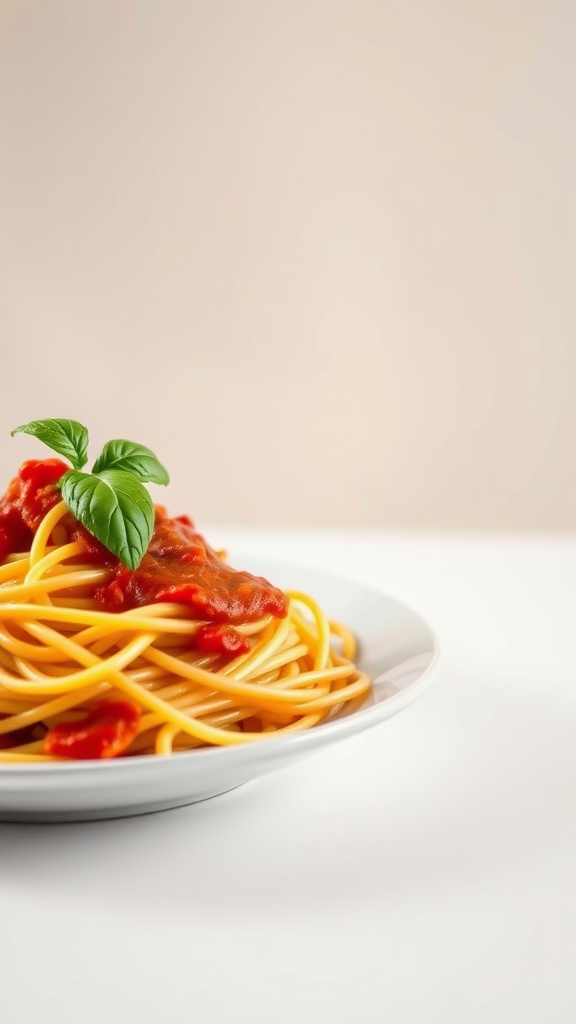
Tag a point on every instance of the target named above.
point(179, 565)
point(30, 495)
point(221, 640)
point(106, 731)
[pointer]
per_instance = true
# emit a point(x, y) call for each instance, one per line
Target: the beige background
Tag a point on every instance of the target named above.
point(319, 255)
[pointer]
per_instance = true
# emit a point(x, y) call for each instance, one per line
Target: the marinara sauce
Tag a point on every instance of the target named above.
point(179, 566)
point(29, 496)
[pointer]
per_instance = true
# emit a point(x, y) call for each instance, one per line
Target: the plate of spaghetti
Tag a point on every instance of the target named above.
point(140, 671)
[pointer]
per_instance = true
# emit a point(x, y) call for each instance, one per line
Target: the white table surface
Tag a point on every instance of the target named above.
point(422, 872)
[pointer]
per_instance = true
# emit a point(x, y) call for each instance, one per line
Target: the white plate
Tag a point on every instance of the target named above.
point(397, 649)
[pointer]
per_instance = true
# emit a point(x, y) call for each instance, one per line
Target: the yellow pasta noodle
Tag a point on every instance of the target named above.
point(63, 656)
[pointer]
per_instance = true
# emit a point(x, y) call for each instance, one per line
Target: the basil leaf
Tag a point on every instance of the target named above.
point(131, 458)
point(67, 437)
point(115, 508)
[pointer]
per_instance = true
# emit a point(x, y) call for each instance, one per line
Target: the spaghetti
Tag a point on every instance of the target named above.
point(98, 661)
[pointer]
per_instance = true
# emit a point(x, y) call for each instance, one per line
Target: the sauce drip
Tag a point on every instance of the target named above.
point(106, 731)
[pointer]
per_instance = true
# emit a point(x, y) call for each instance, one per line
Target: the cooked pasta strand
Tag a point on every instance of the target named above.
point(61, 654)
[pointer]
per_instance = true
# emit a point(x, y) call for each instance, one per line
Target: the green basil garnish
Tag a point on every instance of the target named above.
point(131, 458)
point(111, 502)
point(67, 437)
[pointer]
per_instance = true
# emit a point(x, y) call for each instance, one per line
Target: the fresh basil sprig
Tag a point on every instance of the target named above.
point(111, 502)
point(67, 437)
point(113, 506)
point(131, 458)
